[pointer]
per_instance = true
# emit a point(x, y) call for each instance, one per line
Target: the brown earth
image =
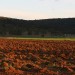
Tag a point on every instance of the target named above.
point(37, 57)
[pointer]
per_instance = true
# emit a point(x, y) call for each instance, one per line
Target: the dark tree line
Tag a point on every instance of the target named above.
point(9, 26)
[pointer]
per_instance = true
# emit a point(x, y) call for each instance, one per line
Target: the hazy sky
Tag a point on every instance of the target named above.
point(37, 9)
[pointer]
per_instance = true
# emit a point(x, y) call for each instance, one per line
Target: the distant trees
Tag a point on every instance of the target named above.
point(9, 26)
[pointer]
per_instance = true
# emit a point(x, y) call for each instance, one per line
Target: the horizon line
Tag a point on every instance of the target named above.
point(37, 19)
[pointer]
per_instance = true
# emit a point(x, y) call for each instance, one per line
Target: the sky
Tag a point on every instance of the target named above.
point(37, 9)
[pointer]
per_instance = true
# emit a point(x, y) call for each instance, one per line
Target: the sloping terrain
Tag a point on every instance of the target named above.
point(42, 28)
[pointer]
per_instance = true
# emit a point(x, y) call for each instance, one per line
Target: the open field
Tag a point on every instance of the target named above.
point(37, 57)
point(66, 38)
point(48, 38)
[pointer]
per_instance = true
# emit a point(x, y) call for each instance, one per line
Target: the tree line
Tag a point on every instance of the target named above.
point(43, 27)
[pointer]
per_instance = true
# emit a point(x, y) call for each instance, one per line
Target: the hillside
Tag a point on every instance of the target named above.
point(43, 27)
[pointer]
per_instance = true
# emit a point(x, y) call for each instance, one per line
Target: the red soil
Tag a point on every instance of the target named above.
point(37, 57)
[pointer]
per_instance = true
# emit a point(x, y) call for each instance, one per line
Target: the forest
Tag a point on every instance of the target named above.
point(41, 28)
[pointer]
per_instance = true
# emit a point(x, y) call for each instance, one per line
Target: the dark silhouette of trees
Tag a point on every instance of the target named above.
point(60, 26)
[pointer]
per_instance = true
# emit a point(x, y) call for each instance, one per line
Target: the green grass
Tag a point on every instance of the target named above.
point(31, 38)
point(72, 39)
point(40, 38)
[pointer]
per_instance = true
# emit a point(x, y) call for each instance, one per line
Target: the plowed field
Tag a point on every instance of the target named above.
point(37, 57)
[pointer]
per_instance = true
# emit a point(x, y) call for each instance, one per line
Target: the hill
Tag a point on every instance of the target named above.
point(43, 27)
